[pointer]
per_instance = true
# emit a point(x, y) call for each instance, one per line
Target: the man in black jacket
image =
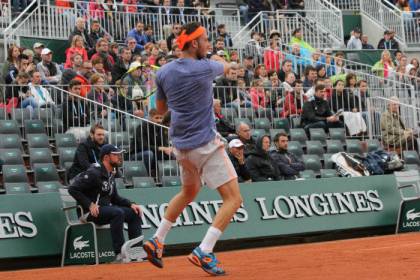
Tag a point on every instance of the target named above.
point(226, 88)
point(75, 111)
point(388, 42)
point(88, 151)
point(80, 29)
point(244, 134)
point(237, 157)
point(122, 65)
point(223, 125)
point(288, 164)
point(95, 190)
point(317, 113)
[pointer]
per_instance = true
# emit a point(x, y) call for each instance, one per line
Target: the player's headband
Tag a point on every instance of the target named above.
point(184, 38)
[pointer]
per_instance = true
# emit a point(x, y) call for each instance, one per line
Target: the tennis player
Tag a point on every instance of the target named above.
point(185, 87)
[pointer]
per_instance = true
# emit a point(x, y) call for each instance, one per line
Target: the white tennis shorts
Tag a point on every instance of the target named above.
point(209, 162)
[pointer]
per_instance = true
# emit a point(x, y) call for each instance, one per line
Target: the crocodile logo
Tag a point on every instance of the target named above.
point(79, 244)
point(411, 215)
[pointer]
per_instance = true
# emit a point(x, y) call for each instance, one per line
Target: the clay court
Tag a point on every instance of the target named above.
point(385, 257)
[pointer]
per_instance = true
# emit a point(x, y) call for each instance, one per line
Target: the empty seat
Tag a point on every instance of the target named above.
point(120, 139)
point(265, 113)
point(46, 177)
point(66, 154)
point(328, 163)
point(113, 125)
point(373, 145)
point(11, 156)
point(143, 182)
point(40, 155)
point(328, 173)
point(295, 121)
point(167, 168)
point(334, 146)
point(281, 123)
point(338, 134)
point(295, 148)
point(46, 115)
point(411, 157)
point(411, 167)
point(119, 183)
point(274, 132)
point(307, 174)
point(15, 179)
point(247, 113)
point(34, 126)
point(262, 123)
point(257, 133)
point(20, 115)
point(131, 124)
point(312, 162)
point(353, 146)
point(298, 134)
point(9, 127)
point(318, 134)
point(65, 140)
point(171, 181)
point(229, 113)
point(38, 140)
point(314, 148)
point(134, 169)
point(242, 120)
point(3, 114)
point(10, 141)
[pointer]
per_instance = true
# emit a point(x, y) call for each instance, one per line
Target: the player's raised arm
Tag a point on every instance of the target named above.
point(226, 65)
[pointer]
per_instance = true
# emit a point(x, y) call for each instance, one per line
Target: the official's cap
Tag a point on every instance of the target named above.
point(236, 143)
point(110, 149)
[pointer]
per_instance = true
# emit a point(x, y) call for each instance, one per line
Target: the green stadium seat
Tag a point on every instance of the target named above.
point(411, 157)
point(294, 147)
point(121, 139)
point(38, 140)
point(171, 181)
point(318, 134)
point(119, 182)
point(131, 124)
point(281, 123)
point(373, 145)
point(143, 182)
point(307, 174)
point(113, 125)
point(411, 167)
point(66, 154)
point(334, 146)
point(134, 169)
point(9, 127)
point(265, 113)
point(314, 148)
point(312, 162)
point(167, 168)
point(298, 134)
point(34, 126)
point(11, 141)
point(328, 173)
point(338, 134)
point(40, 155)
point(20, 115)
point(45, 172)
point(328, 163)
point(262, 123)
point(242, 120)
point(295, 121)
point(353, 146)
point(229, 113)
point(257, 133)
point(44, 187)
point(65, 140)
point(15, 179)
point(11, 156)
point(3, 114)
point(247, 113)
point(274, 131)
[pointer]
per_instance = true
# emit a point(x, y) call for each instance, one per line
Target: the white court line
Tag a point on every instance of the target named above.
point(389, 247)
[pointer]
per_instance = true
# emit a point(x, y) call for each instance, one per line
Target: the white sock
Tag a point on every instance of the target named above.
point(213, 234)
point(163, 230)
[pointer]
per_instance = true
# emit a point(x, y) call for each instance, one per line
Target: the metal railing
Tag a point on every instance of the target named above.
point(346, 5)
point(411, 21)
point(5, 15)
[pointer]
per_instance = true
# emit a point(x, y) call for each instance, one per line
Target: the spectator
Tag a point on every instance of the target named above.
point(328, 61)
point(248, 63)
point(122, 65)
point(154, 54)
point(181, 12)
point(148, 35)
point(395, 135)
point(287, 85)
point(388, 42)
point(138, 34)
point(226, 88)
point(315, 58)
point(176, 31)
point(365, 44)
point(83, 76)
point(288, 164)
point(259, 163)
point(95, 34)
point(40, 94)
point(87, 152)
point(299, 59)
point(351, 81)
point(80, 29)
point(339, 64)
point(344, 99)
point(244, 134)
point(293, 101)
point(11, 64)
point(414, 5)
point(310, 76)
point(76, 47)
point(98, 68)
point(122, 101)
point(37, 52)
point(135, 95)
point(31, 65)
point(309, 94)
point(384, 68)
point(255, 6)
point(223, 125)
point(50, 71)
point(254, 48)
point(75, 111)
point(259, 98)
point(355, 43)
point(220, 46)
point(221, 32)
point(23, 66)
point(273, 54)
point(321, 72)
point(296, 4)
point(133, 46)
point(237, 157)
point(243, 9)
point(167, 17)
point(317, 113)
point(98, 95)
point(163, 47)
point(285, 69)
point(297, 38)
point(261, 72)
point(102, 51)
point(18, 93)
point(176, 52)
point(362, 94)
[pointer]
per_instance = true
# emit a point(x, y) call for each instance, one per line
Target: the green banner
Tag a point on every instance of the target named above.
point(409, 216)
point(269, 209)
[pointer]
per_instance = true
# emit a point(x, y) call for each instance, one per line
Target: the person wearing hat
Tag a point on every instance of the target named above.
point(388, 42)
point(355, 43)
point(38, 47)
point(237, 157)
point(96, 192)
point(297, 38)
point(395, 135)
point(50, 71)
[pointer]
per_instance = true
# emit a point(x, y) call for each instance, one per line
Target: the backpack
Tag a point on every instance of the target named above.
point(381, 162)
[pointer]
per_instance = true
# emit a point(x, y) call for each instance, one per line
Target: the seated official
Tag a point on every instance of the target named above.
point(237, 157)
point(288, 164)
point(96, 191)
point(244, 134)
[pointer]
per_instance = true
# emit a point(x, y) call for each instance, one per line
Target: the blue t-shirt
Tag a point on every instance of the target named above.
point(186, 85)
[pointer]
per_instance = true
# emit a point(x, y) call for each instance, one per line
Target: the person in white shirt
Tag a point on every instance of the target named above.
point(355, 43)
point(41, 95)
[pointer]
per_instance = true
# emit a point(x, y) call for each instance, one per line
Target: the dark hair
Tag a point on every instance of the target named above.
point(148, 27)
point(95, 21)
point(220, 39)
point(153, 112)
point(308, 69)
point(360, 82)
point(298, 81)
point(349, 77)
point(296, 31)
point(23, 75)
point(74, 83)
point(336, 82)
point(96, 126)
point(124, 49)
point(220, 26)
point(159, 58)
point(167, 119)
point(278, 135)
point(189, 29)
point(286, 61)
point(319, 87)
point(22, 56)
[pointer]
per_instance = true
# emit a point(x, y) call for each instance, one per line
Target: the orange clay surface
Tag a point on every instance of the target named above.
point(387, 257)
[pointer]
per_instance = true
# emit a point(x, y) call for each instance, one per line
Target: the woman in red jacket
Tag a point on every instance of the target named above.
point(77, 46)
point(273, 56)
point(293, 101)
